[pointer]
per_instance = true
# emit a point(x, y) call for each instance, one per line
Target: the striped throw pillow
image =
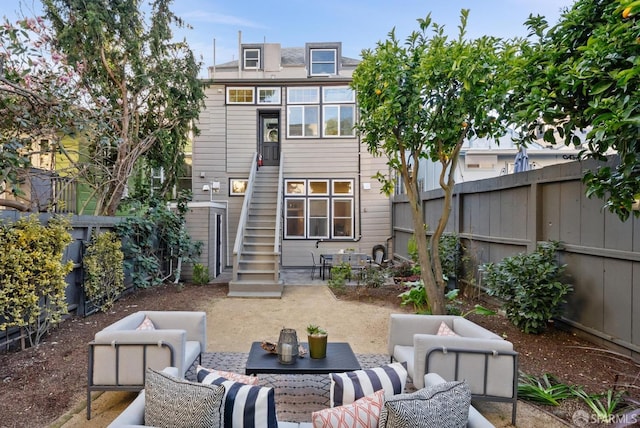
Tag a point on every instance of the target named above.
point(349, 386)
point(245, 406)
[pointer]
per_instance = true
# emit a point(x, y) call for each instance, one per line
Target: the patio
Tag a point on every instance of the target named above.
point(233, 324)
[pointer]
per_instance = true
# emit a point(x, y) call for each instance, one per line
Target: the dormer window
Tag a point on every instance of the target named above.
point(251, 59)
point(323, 62)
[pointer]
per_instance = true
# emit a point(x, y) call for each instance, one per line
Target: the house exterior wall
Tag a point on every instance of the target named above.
point(228, 142)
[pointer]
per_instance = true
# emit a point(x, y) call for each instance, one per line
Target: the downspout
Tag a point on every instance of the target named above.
point(240, 54)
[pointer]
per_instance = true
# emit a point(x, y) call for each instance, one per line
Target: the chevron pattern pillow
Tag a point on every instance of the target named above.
point(349, 386)
point(245, 406)
point(362, 413)
point(445, 405)
point(174, 402)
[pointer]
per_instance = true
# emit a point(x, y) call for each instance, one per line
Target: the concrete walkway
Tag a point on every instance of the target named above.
point(234, 323)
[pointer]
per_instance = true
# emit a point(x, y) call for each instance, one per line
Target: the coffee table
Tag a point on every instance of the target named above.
point(340, 358)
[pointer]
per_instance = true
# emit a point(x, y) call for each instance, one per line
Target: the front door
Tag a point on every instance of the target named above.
point(269, 138)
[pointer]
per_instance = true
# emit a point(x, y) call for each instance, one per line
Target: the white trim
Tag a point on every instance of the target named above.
point(277, 90)
point(244, 58)
point(247, 88)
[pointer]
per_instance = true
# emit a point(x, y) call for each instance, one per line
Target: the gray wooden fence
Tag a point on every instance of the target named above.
point(502, 216)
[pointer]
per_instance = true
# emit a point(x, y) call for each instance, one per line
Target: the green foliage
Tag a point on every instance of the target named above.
point(32, 275)
point(340, 274)
point(544, 390)
point(420, 100)
point(141, 89)
point(200, 274)
point(104, 270)
point(453, 307)
point(415, 295)
point(36, 98)
point(372, 277)
point(153, 240)
point(313, 329)
point(582, 75)
point(412, 249)
point(529, 286)
point(450, 255)
point(604, 406)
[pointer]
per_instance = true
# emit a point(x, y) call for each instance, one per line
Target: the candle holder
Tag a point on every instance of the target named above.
point(287, 346)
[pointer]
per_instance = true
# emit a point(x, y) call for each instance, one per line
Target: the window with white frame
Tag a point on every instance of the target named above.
point(268, 95)
point(319, 209)
point(303, 121)
point(342, 218)
point(241, 95)
point(251, 59)
point(323, 62)
point(335, 111)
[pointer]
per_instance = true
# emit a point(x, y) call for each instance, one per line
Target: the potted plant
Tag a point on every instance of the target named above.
point(317, 337)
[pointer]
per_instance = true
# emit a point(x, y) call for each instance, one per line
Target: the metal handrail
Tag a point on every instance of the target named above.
point(279, 205)
point(248, 194)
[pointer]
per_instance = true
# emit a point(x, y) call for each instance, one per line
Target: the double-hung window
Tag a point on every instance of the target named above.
point(323, 62)
point(251, 59)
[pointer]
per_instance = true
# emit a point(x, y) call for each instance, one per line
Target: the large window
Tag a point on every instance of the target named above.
point(319, 209)
point(323, 62)
point(305, 107)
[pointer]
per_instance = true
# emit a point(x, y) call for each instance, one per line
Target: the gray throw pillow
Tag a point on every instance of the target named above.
point(174, 402)
point(445, 405)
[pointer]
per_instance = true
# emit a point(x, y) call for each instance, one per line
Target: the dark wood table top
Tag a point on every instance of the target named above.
point(340, 358)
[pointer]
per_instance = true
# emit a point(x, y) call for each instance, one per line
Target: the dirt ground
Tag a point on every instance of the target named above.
point(43, 384)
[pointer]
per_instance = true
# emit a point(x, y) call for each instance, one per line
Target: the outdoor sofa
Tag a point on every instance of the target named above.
point(134, 414)
point(456, 349)
point(120, 353)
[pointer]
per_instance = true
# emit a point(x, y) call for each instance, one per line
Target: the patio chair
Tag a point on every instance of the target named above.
point(462, 350)
point(314, 266)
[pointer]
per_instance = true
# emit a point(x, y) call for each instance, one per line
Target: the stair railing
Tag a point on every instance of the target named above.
point(279, 206)
point(244, 215)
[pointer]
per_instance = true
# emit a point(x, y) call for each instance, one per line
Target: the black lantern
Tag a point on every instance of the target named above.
point(287, 346)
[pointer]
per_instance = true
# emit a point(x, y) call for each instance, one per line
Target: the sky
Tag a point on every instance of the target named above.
point(358, 24)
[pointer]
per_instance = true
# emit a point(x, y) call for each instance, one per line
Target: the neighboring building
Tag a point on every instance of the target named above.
point(291, 110)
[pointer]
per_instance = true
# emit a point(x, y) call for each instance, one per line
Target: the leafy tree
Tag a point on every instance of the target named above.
point(142, 90)
point(583, 75)
point(37, 94)
point(421, 101)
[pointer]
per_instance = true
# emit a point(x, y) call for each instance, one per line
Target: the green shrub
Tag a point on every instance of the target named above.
point(529, 286)
point(32, 275)
point(450, 255)
point(415, 295)
point(372, 277)
point(104, 270)
point(200, 274)
point(340, 274)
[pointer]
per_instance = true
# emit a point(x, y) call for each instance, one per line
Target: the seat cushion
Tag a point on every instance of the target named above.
point(445, 405)
point(174, 402)
point(349, 386)
point(404, 354)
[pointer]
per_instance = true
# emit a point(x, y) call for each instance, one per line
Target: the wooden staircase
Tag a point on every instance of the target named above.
point(256, 270)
